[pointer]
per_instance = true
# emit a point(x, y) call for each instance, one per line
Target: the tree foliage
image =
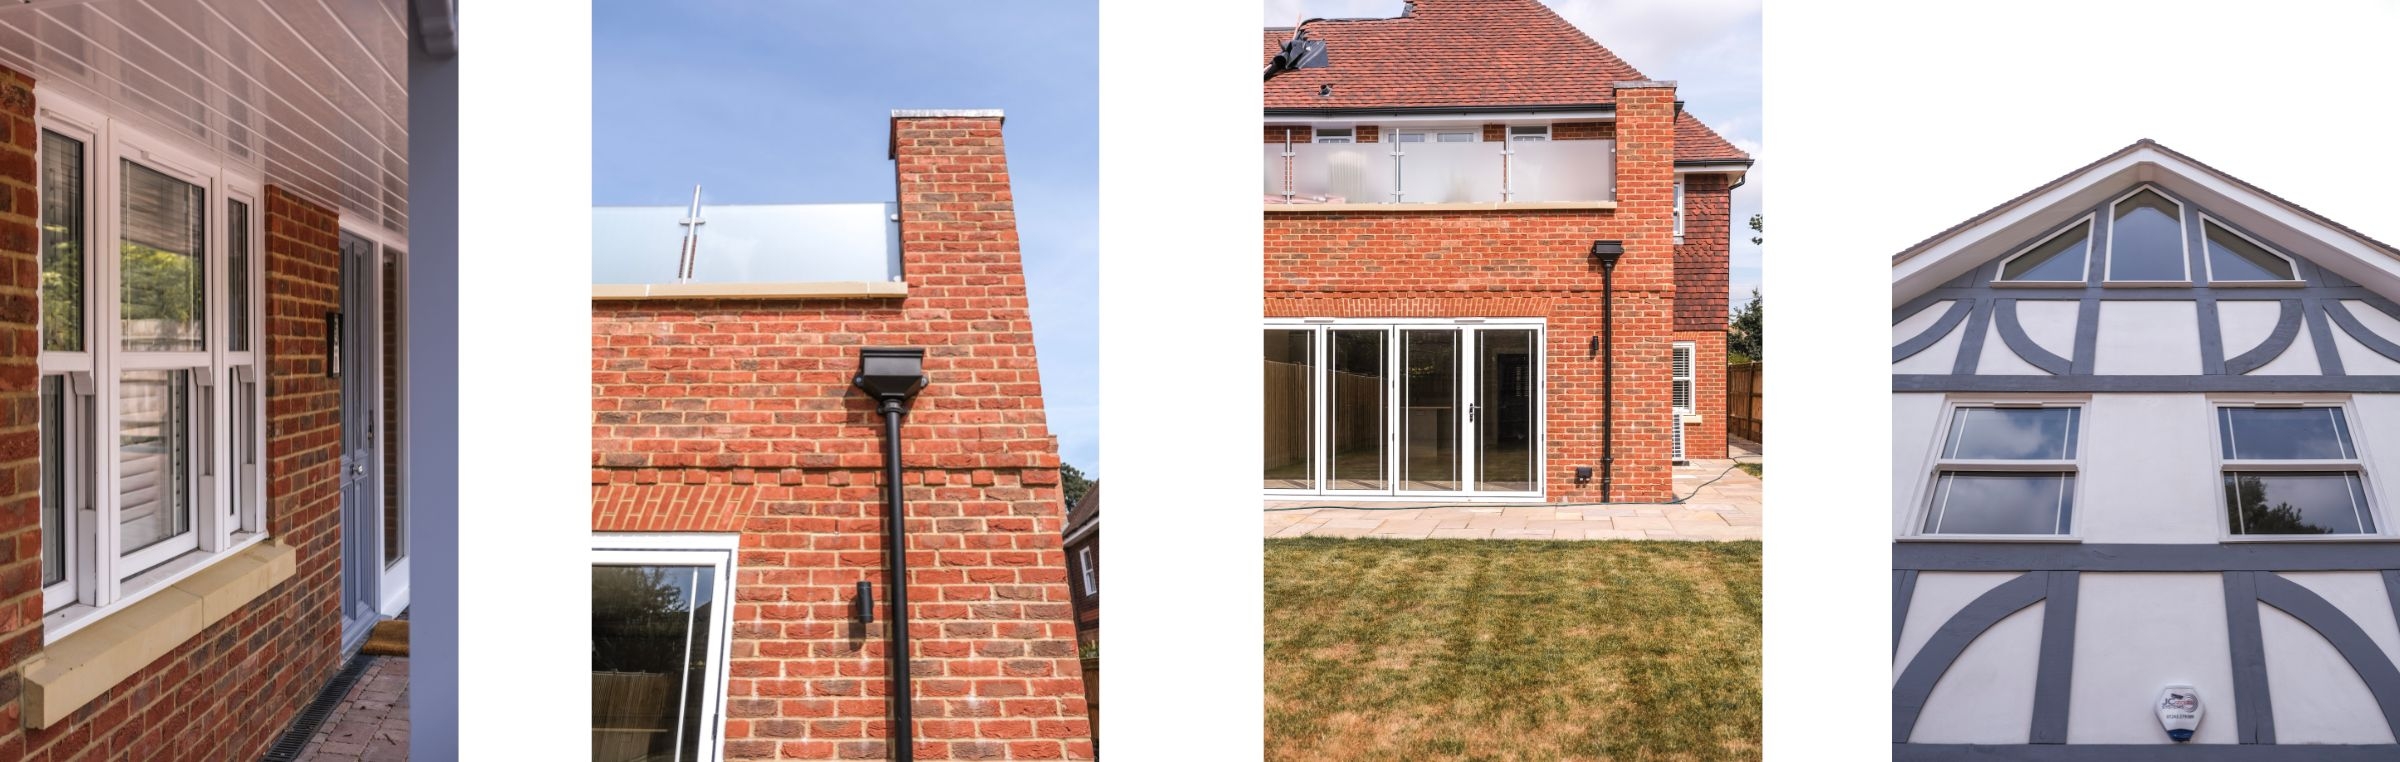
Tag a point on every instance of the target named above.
point(1073, 483)
point(1745, 335)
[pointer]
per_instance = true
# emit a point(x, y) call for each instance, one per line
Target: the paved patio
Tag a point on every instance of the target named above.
point(371, 725)
point(1728, 509)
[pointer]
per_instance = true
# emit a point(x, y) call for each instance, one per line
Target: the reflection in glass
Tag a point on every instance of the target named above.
point(1986, 433)
point(2290, 433)
point(2232, 257)
point(1289, 398)
point(2059, 259)
point(1505, 424)
point(237, 276)
point(164, 275)
point(2309, 502)
point(1971, 502)
point(154, 457)
point(2146, 241)
point(1429, 388)
point(650, 661)
point(54, 480)
point(1355, 393)
point(62, 243)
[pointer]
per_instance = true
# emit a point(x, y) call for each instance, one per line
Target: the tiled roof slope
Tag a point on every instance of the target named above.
point(1467, 53)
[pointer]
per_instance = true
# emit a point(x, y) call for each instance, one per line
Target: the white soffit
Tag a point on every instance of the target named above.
point(2284, 226)
point(310, 95)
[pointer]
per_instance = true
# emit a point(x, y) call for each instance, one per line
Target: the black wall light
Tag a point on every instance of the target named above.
point(1608, 252)
point(893, 376)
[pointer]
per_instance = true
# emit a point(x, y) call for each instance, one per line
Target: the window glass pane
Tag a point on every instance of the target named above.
point(650, 661)
point(164, 276)
point(1430, 418)
point(154, 457)
point(1969, 502)
point(237, 276)
point(1409, 137)
point(2296, 503)
point(1290, 397)
point(2231, 257)
point(2146, 242)
point(1357, 409)
point(1505, 426)
point(54, 480)
point(1986, 433)
point(2287, 433)
point(62, 243)
point(2059, 259)
point(1456, 137)
point(395, 526)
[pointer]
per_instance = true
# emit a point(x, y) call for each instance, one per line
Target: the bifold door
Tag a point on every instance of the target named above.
point(1368, 409)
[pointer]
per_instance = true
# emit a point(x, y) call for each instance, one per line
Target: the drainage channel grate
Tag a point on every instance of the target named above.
point(295, 738)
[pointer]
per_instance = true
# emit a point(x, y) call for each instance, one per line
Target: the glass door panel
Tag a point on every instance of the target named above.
point(1358, 409)
point(1290, 420)
point(651, 657)
point(1430, 413)
point(1505, 411)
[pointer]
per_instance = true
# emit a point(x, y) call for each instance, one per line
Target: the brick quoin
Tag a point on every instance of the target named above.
point(1537, 263)
point(722, 415)
point(225, 693)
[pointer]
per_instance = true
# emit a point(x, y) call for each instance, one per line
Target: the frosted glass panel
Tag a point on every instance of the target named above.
point(777, 243)
point(1335, 173)
point(1564, 170)
point(1435, 173)
point(1275, 173)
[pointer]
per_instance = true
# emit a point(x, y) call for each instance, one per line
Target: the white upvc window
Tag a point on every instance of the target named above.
point(1682, 373)
point(662, 615)
point(1679, 208)
point(2291, 469)
point(2146, 241)
point(1336, 134)
point(1091, 575)
point(2232, 258)
point(1446, 135)
point(2005, 469)
point(1529, 132)
point(153, 417)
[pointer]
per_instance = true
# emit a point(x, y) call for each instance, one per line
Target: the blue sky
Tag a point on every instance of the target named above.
point(1709, 47)
point(790, 103)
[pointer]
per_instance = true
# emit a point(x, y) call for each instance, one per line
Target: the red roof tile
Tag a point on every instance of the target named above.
point(1466, 53)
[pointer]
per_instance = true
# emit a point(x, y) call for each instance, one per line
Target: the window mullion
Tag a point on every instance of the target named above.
point(102, 263)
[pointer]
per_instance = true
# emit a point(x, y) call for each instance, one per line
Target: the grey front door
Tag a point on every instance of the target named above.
point(362, 509)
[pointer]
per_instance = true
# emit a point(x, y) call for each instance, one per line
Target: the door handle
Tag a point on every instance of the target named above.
point(1473, 409)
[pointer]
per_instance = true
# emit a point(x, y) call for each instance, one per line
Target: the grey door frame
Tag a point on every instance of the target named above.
point(358, 363)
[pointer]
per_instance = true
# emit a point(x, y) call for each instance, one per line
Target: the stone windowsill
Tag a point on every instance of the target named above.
point(73, 670)
point(1472, 206)
point(825, 290)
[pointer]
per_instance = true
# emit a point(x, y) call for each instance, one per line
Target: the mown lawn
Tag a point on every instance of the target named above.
point(1498, 650)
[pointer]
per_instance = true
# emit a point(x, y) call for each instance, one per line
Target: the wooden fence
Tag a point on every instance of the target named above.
point(1745, 396)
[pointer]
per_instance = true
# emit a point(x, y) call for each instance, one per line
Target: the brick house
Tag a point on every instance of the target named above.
point(205, 489)
point(1437, 199)
point(2145, 419)
point(739, 478)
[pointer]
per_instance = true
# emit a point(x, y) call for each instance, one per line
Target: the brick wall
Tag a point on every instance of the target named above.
point(1525, 264)
point(1705, 439)
point(225, 693)
point(754, 398)
point(1701, 260)
point(20, 421)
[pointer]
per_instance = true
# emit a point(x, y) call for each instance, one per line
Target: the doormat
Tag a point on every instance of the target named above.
point(295, 738)
point(389, 638)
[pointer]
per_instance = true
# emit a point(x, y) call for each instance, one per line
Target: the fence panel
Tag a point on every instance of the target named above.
point(1745, 397)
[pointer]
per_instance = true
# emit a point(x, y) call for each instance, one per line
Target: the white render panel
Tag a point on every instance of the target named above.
point(2299, 359)
point(1999, 360)
point(1916, 419)
point(2383, 325)
point(2050, 323)
point(2146, 477)
point(2378, 430)
point(2318, 698)
point(1909, 327)
point(2148, 338)
point(2243, 325)
point(1987, 696)
point(2359, 594)
point(2357, 359)
point(1939, 596)
point(2121, 661)
point(1937, 358)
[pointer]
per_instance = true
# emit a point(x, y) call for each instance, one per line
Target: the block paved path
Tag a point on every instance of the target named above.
point(371, 725)
point(1729, 509)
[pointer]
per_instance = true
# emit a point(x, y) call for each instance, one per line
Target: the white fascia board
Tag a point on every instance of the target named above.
point(1934, 262)
point(2363, 261)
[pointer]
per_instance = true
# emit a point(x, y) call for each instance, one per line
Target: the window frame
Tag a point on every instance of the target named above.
point(1679, 208)
point(1349, 135)
point(2183, 242)
point(2208, 264)
point(1689, 379)
point(1539, 133)
point(721, 551)
point(2089, 223)
point(1089, 573)
point(102, 579)
point(1937, 465)
point(2370, 491)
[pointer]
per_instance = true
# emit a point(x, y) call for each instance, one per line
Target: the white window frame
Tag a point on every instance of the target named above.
point(1688, 379)
point(1321, 345)
point(225, 521)
point(1349, 135)
point(2088, 224)
point(2208, 263)
point(718, 551)
point(1922, 502)
point(1531, 133)
point(2358, 465)
point(1438, 135)
point(1679, 209)
point(1091, 575)
point(2183, 242)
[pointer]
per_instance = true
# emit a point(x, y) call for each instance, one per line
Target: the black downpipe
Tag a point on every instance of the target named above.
point(904, 748)
point(1608, 377)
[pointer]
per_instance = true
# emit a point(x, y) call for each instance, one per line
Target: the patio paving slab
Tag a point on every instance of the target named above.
point(371, 724)
point(1729, 508)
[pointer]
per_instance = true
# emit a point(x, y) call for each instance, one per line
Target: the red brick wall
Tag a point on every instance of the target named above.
point(1701, 260)
point(754, 397)
point(1705, 439)
point(1525, 264)
point(20, 421)
point(227, 692)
